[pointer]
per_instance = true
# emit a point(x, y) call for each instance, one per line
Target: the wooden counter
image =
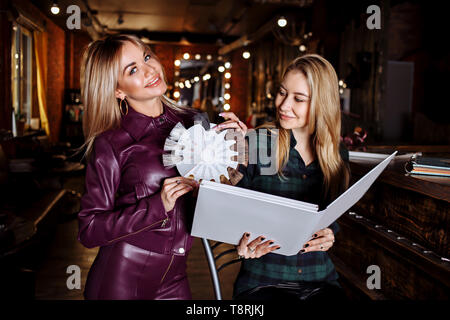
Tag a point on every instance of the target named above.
point(402, 225)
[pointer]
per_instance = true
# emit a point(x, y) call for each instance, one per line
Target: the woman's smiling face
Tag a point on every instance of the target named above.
point(293, 101)
point(140, 75)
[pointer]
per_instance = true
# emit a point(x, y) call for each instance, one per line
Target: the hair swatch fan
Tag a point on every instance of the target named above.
point(203, 154)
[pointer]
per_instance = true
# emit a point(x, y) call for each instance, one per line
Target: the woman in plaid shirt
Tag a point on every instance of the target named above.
point(311, 167)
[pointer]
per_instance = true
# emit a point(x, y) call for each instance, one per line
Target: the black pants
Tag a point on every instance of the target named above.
point(294, 291)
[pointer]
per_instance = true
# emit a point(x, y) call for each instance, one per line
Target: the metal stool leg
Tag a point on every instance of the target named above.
point(212, 269)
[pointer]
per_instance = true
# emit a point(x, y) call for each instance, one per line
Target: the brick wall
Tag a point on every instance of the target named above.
point(76, 42)
point(55, 78)
point(239, 84)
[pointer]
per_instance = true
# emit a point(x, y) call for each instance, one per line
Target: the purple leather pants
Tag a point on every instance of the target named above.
point(124, 272)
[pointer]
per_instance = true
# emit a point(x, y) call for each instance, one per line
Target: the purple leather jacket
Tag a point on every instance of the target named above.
point(123, 185)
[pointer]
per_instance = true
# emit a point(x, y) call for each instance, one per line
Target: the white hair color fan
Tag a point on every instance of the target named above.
point(204, 154)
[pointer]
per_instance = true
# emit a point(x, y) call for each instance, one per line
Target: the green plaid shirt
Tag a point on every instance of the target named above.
point(303, 183)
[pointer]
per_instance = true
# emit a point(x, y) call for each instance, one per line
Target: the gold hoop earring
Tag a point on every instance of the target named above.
point(121, 108)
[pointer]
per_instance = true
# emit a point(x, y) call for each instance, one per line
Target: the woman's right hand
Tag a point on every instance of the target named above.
point(232, 122)
point(255, 249)
point(173, 188)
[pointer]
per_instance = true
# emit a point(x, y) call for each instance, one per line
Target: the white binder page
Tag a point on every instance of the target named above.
point(352, 195)
point(261, 195)
point(225, 217)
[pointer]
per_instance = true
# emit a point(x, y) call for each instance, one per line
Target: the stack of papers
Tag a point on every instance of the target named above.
point(224, 213)
point(428, 166)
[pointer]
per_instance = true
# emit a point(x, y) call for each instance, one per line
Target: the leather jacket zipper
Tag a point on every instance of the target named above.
point(164, 222)
point(165, 273)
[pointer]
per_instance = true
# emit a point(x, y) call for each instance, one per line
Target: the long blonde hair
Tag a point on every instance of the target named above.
point(324, 123)
point(98, 78)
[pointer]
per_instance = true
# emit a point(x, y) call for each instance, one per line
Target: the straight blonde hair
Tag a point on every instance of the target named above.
point(99, 75)
point(324, 123)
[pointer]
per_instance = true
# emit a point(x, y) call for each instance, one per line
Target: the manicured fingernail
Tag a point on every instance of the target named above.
point(271, 243)
point(306, 245)
point(315, 235)
point(247, 235)
point(262, 238)
point(302, 251)
point(278, 248)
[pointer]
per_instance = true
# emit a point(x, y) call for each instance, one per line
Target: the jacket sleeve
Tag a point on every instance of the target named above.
point(334, 227)
point(100, 222)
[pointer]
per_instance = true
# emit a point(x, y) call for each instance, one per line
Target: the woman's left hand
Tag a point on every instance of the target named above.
point(322, 240)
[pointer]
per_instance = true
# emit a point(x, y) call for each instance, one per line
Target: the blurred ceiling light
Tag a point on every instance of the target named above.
point(246, 54)
point(282, 22)
point(187, 83)
point(181, 85)
point(207, 77)
point(177, 63)
point(176, 94)
point(196, 79)
point(227, 86)
point(55, 9)
point(186, 56)
point(227, 75)
point(341, 83)
point(176, 83)
point(227, 96)
point(310, 34)
point(226, 107)
point(227, 65)
point(302, 48)
point(177, 73)
point(197, 57)
point(221, 68)
point(208, 57)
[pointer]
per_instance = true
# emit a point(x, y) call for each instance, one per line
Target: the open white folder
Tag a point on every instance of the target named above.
point(224, 213)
